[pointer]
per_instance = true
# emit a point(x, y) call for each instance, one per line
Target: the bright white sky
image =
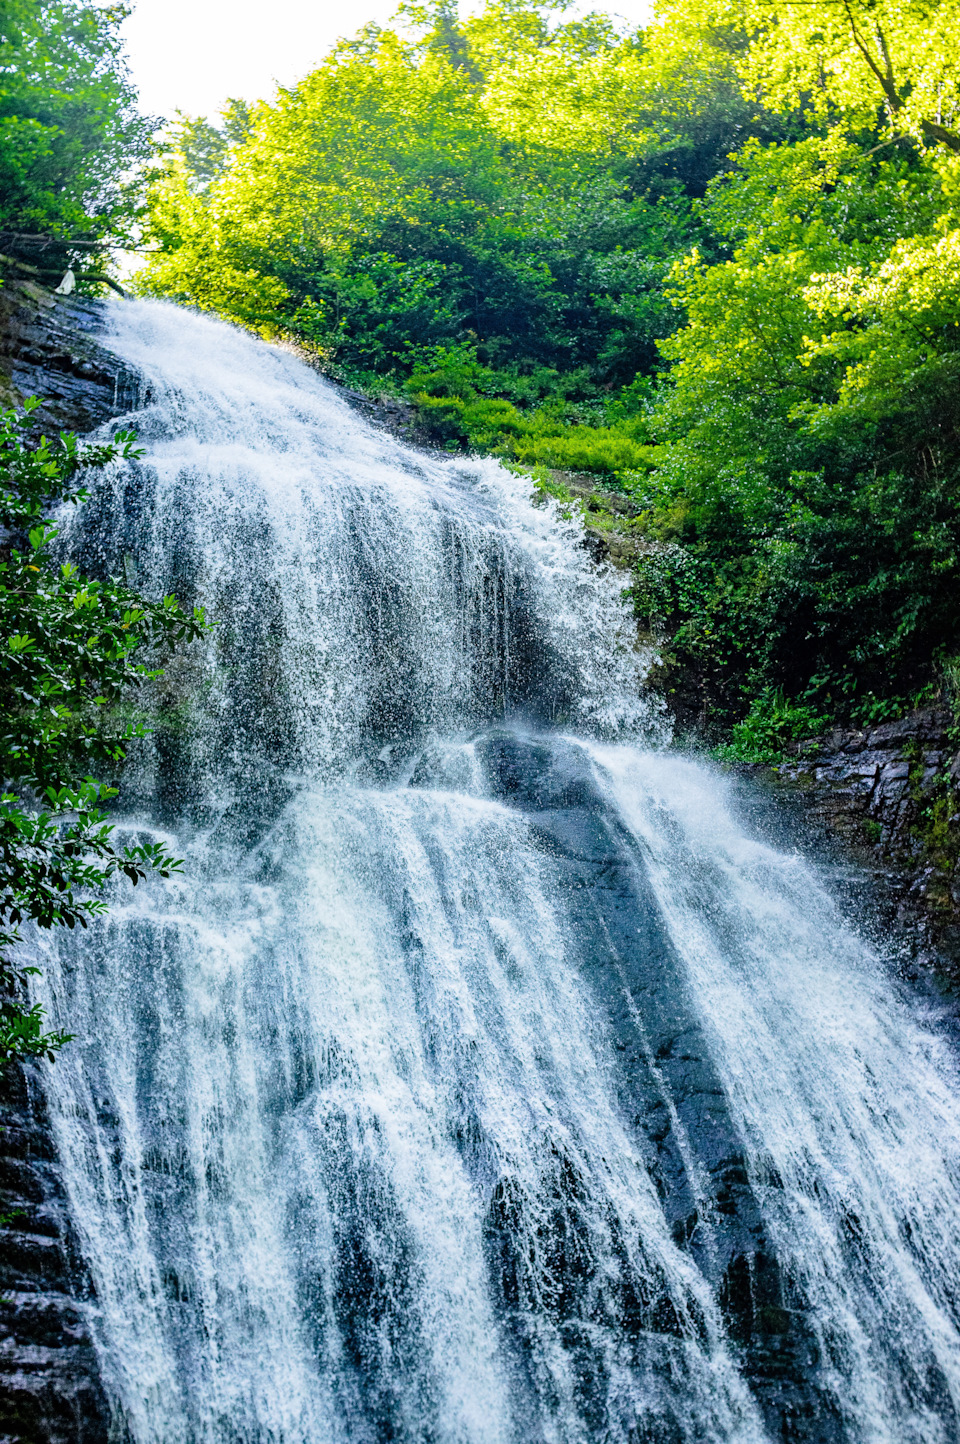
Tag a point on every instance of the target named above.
point(191, 55)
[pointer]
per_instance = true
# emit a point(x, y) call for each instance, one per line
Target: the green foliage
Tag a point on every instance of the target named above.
point(70, 648)
point(501, 196)
point(810, 478)
point(70, 136)
point(771, 724)
point(456, 413)
point(871, 62)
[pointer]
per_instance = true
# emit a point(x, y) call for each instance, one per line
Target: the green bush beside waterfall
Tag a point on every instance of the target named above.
point(72, 648)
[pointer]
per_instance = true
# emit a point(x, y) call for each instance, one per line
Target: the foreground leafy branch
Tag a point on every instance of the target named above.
point(70, 647)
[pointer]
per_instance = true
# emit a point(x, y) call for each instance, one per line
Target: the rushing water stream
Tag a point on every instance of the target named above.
point(482, 1081)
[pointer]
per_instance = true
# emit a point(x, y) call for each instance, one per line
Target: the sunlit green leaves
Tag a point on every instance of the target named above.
point(857, 61)
point(432, 189)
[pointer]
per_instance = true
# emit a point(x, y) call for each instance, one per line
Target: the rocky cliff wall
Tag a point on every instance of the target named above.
point(50, 1390)
point(892, 793)
point(48, 348)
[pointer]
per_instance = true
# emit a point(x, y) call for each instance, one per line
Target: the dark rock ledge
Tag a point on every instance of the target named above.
point(892, 794)
point(48, 348)
point(50, 1390)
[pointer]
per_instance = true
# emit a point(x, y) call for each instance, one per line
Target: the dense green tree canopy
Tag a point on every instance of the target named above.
point(493, 187)
point(70, 135)
point(895, 63)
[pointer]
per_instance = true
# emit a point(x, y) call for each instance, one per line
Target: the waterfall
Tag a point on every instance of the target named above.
point(482, 1080)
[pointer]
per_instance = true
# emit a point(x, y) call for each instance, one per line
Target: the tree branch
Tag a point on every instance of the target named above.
point(42, 242)
point(941, 134)
point(886, 80)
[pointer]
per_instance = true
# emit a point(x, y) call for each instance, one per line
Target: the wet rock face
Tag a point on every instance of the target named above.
point(50, 1389)
point(392, 413)
point(49, 348)
point(895, 789)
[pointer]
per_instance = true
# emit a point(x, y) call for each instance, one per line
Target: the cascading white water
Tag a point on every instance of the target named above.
point(848, 1109)
point(478, 1083)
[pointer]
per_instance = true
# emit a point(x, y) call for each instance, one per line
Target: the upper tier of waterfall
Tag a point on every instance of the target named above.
point(365, 596)
point(482, 1080)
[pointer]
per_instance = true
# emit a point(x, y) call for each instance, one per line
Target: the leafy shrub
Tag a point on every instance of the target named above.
point(601, 450)
point(769, 727)
point(71, 649)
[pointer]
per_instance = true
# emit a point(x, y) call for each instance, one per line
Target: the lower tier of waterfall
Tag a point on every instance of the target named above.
point(547, 1108)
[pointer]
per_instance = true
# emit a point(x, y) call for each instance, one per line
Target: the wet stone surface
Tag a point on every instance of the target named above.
point(49, 349)
point(875, 789)
point(49, 1382)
